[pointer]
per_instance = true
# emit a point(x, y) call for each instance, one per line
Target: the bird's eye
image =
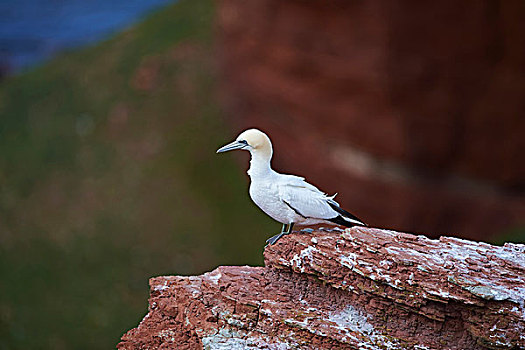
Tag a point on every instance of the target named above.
point(243, 141)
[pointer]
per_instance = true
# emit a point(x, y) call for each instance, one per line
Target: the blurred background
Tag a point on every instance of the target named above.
point(111, 112)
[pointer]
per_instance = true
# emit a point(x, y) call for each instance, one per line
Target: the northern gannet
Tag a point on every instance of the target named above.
point(288, 199)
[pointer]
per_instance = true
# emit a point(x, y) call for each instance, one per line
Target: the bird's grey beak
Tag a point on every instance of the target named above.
point(231, 146)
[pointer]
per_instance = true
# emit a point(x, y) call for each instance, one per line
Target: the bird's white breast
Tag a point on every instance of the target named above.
point(265, 194)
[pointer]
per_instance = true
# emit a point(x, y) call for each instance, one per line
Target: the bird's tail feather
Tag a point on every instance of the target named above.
point(344, 218)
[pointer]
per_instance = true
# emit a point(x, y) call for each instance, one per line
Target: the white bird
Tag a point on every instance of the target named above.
point(288, 199)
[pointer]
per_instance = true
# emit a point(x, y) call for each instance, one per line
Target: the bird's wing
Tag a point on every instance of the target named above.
point(305, 199)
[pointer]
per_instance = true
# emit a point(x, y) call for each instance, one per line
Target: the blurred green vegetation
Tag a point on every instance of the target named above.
point(515, 235)
point(108, 176)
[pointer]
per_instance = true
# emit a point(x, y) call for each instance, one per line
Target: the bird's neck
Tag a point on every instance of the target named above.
point(260, 164)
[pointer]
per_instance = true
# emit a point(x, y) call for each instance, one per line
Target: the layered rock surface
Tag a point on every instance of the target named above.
point(355, 289)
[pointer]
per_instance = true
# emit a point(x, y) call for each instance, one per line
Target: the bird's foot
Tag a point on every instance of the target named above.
point(274, 239)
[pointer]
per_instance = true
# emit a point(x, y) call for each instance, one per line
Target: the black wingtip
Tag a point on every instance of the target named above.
point(339, 220)
point(344, 214)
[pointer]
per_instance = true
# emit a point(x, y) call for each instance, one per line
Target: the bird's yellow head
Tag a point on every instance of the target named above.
point(256, 139)
point(252, 140)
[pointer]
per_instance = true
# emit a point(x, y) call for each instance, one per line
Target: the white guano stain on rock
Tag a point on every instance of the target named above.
point(297, 260)
point(351, 319)
point(232, 339)
point(214, 276)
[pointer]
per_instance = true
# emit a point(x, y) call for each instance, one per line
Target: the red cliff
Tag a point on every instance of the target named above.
point(355, 289)
point(416, 110)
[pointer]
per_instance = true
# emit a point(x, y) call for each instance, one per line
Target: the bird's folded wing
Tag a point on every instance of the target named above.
point(306, 200)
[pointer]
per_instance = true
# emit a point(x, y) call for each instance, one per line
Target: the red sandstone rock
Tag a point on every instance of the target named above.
point(416, 111)
point(358, 289)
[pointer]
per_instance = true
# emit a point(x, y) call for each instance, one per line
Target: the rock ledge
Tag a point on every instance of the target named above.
point(360, 288)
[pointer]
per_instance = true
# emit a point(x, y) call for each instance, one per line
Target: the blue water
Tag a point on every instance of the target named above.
point(32, 31)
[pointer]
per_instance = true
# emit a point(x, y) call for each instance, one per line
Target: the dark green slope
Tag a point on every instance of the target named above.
point(108, 176)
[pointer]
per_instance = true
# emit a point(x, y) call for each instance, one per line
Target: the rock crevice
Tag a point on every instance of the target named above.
point(361, 288)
